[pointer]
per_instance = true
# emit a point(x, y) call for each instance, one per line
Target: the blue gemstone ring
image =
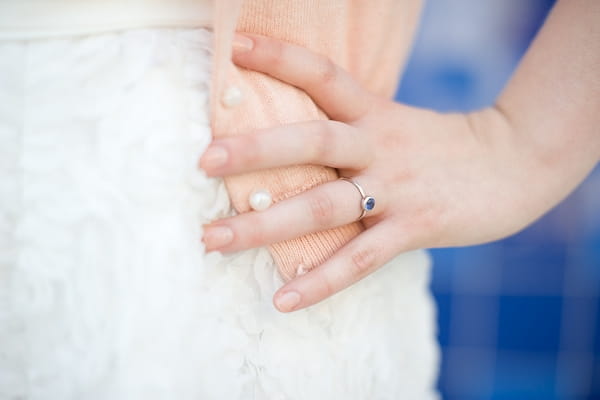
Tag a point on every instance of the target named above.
point(367, 203)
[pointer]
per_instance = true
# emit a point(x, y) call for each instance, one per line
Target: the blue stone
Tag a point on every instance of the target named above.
point(369, 203)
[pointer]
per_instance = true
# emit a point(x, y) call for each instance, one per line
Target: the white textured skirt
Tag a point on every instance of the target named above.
point(106, 291)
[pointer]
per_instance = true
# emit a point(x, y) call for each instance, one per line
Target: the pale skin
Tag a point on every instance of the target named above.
point(439, 179)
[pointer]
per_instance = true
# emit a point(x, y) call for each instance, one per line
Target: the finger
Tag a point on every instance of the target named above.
point(332, 88)
point(357, 259)
point(330, 143)
point(326, 206)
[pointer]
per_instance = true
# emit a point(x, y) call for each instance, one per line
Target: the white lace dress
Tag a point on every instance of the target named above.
point(105, 289)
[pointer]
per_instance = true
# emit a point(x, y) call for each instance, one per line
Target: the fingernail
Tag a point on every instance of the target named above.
point(242, 43)
point(287, 301)
point(217, 236)
point(214, 157)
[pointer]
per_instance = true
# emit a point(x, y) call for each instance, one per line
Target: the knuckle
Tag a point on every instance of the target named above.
point(328, 286)
point(324, 141)
point(327, 72)
point(321, 209)
point(403, 175)
point(364, 149)
point(255, 231)
point(363, 260)
point(428, 227)
point(275, 55)
point(249, 152)
point(368, 156)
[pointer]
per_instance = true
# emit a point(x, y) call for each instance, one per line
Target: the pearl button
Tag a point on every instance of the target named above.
point(260, 200)
point(232, 97)
point(301, 270)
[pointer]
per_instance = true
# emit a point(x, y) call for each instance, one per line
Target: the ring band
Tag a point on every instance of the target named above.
point(367, 203)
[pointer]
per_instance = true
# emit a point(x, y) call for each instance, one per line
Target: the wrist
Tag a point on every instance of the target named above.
point(547, 162)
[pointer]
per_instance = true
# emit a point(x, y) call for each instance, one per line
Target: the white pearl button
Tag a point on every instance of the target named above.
point(260, 200)
point(232, 96)
point(301, 270)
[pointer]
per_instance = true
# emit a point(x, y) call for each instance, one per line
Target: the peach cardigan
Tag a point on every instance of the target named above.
point(369, 38)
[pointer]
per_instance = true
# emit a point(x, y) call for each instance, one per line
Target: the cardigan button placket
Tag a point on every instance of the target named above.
point(232, 97)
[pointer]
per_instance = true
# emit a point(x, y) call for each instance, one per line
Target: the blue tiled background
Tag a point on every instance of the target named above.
point(518, 318)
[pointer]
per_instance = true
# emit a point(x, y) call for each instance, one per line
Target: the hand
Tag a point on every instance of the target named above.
point(438, 180)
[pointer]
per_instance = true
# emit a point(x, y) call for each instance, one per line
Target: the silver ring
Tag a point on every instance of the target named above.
point(367, 203)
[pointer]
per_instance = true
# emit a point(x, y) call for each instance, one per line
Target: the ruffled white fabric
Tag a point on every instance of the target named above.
point(105, 289)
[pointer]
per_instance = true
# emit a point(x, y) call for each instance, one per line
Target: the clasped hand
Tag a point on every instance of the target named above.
point(439, 180)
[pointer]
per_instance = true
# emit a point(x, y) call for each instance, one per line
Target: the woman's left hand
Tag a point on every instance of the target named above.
point(433, 176)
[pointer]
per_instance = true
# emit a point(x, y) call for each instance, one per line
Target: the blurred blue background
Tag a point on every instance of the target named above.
point(519, 318)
